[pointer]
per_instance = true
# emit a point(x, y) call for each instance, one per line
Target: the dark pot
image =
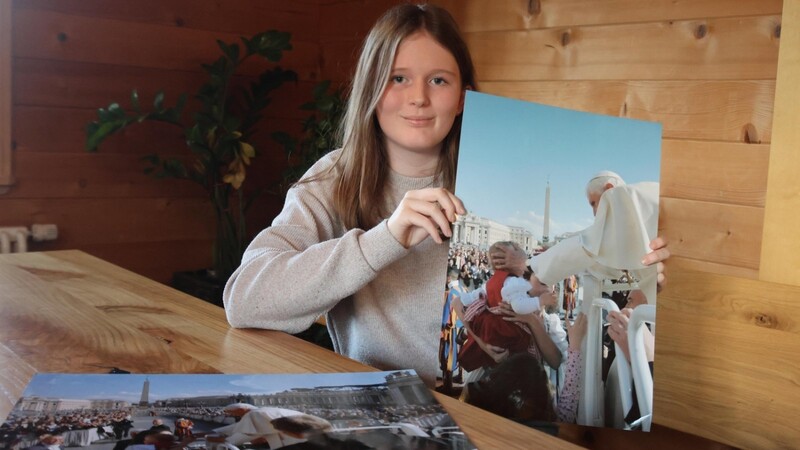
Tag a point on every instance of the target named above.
point(201, 284)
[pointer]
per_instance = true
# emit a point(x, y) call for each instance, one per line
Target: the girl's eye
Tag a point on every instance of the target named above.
point(438, 81)
point(398, 78)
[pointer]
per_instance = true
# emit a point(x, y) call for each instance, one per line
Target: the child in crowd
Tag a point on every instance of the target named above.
point(490, 336)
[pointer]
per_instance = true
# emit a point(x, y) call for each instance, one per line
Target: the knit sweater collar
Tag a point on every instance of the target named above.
point(404, 183)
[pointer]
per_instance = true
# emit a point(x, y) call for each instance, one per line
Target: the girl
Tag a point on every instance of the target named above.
point(360, 236)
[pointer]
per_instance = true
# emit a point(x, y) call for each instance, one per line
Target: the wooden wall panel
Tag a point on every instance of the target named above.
point(721, 172)
point(71, 57)
point(781, 251)
point(720, 49)
point(6, 173)
point(68, 125)
point(64, 37)
point(727, 366)
point(233, 16)
point(736, 110)
point(89, 85)
point(530, 14)
point(714, 232)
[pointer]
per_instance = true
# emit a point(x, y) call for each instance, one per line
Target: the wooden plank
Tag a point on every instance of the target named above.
point(726, 366)
point(6, 167)
point(14, 379)
point(359, 15)
point(480, 15)
point(84, 85)
point(233, 16)
point(339, 59)
point(780, 253)
point(61, 130)
point(658, 438)
point(56, 36)
point(687, 264)
point(713, 49)
point(715, 232)
point(720, 172)
point(111, 220)
point(81, 335)
point(707, 110)
point(102, 175)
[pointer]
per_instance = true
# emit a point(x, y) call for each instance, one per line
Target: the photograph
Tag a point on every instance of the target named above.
point(369, 410)
point(545, 268)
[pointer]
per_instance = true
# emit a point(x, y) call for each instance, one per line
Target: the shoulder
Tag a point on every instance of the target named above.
point(325, 164)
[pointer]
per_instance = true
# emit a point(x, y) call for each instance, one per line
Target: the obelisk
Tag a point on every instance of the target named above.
point(145, 399)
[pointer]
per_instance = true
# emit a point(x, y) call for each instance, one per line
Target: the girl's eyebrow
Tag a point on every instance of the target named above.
point(447, 71)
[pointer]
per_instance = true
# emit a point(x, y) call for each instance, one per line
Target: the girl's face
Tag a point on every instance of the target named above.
point(420, 102)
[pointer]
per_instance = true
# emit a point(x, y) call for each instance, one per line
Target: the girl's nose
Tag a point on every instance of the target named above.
point(418, 95)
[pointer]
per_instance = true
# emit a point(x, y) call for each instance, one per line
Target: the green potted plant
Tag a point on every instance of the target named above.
point(218, 136)
point(320, 133)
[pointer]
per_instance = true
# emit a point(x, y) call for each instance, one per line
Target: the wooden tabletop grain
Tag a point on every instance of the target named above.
point(70, 312)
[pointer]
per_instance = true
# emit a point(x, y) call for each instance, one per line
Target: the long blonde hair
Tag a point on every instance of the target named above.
point(363, 164)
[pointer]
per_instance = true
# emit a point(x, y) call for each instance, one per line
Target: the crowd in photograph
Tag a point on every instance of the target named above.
point(18, 429)
point(471, 263)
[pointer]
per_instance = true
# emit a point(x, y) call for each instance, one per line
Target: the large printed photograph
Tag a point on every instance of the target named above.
point(549, 314)
point(367, 410)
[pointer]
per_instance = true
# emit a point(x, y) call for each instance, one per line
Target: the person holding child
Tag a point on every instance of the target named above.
point(491, 338)
point(360, 238)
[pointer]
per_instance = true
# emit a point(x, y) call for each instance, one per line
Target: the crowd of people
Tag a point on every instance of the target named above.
point(471, 263)
point(110, 424)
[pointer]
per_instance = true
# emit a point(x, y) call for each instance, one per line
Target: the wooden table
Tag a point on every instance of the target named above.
point(70, 312)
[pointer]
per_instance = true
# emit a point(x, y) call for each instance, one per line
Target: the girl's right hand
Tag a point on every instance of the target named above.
point(422, 213)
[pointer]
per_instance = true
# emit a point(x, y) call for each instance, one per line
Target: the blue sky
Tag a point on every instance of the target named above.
point(510, 148)
point(129, 387)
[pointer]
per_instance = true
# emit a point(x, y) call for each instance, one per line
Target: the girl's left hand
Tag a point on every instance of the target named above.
point(659, 254)
point(422, 213)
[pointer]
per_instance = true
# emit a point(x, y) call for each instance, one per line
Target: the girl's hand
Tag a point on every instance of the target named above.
point(422, 213)
point(576, 331)
point(659, 254)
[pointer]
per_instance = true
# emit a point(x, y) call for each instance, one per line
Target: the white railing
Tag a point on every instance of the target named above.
point(640, 366)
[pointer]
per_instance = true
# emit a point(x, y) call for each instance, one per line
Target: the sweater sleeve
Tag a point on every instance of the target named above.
point(468, 297)
point(515, 292)
point(304, 264)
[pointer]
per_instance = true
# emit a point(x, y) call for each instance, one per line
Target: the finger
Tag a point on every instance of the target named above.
point(433, 214)
point(655, 256)
point(437, 213)
point(448, 202)
point(658, 242)
point(418, 220)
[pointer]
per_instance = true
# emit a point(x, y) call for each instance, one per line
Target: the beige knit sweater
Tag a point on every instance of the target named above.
point(383, 302)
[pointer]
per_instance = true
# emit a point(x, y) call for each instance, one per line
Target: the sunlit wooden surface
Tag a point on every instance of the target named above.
point(67, 311)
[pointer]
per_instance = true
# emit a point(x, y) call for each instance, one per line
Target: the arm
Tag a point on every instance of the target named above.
point(467, 298)
point(301, 266)
point(568, 400)
point(550, 352)
point(515, 292)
